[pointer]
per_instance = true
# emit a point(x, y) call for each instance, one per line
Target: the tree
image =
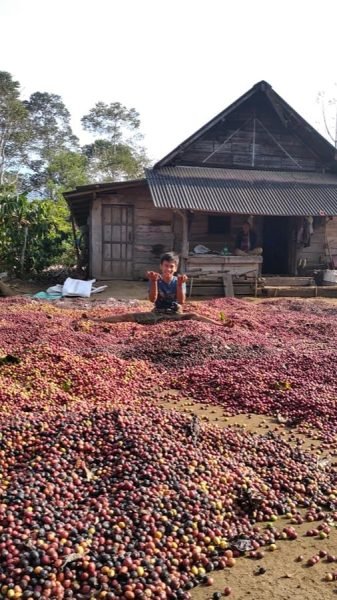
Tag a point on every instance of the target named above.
point(15, 130)
point(111, 120)
point(64, 170)
point(53, 143)
point(50, 121)
point(116, 153)
point(33, 234)
point(111, 162)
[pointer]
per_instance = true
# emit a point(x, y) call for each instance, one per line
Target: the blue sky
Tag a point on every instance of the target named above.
point(178, 63)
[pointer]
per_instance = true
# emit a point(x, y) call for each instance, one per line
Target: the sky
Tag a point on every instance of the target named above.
point(178, 62)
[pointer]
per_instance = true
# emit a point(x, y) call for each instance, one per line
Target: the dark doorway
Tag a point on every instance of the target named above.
point(276, 245)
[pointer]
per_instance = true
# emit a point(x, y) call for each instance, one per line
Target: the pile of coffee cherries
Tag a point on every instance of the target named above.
point(103, 494)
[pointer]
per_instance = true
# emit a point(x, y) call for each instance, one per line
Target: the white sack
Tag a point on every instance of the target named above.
point(77, 287)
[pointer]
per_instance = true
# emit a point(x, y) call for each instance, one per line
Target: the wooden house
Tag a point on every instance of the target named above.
point(258, 159)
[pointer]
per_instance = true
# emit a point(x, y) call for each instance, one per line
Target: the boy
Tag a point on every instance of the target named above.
point(168, 292)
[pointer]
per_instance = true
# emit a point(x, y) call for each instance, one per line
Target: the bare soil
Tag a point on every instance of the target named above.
point(115, 289)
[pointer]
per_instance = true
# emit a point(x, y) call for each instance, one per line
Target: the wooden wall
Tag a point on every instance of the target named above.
point(199, 232)
point(155, 231)
point(316, 255)
point(152, 231)
point(252, 136)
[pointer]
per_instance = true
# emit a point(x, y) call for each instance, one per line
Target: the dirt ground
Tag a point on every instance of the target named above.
point(128, 290)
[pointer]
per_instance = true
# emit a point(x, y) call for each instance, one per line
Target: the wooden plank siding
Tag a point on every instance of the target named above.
point(159, 230)
point(252, 136)
point(316, 254)
point(153, 232)
point(199, 233)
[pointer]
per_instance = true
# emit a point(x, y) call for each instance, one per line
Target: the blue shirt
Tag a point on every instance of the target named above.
point(167, 293)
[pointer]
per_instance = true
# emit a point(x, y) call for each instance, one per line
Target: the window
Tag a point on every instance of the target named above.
point(219, 224)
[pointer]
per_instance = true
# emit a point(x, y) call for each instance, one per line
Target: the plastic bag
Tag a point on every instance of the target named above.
point(200, 249)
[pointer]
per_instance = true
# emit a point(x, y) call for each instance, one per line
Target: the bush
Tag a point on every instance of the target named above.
point(34, 234)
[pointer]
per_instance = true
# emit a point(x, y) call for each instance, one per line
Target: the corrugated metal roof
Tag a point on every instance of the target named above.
point(244, 191)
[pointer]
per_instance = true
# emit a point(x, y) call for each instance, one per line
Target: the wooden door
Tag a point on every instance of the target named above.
point(117, 241)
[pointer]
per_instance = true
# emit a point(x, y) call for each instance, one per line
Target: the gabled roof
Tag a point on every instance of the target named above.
point(287, 115)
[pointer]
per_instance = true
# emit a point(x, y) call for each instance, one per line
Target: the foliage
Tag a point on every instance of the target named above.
point(41, 156)
point(114, 155)
point(15, 131)
point(65, 170)
point(110, 120)
point(109, 162)
point(50, 121)
point(54, 148)
point(33, 234)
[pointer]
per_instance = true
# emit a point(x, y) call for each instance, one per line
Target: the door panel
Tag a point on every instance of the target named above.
point(117, 241)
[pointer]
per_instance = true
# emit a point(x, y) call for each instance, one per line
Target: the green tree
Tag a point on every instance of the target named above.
point(111, 120)
point(117, 152)
point(53, 144)
point(111, 162)
point(50, 120)
point(66, 170)
point(33, 234)
point(15, 130)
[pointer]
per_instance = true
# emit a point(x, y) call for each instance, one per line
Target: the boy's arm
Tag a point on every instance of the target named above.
point(153, 289)
point(181, 289)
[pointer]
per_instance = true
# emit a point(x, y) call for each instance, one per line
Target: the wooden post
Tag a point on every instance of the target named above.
point(185, 242)
point(24, 248)
point(75, 242)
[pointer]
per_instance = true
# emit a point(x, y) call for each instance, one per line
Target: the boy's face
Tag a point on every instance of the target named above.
point(168, 269)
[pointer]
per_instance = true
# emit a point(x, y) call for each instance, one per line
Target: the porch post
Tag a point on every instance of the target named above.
point(185, 241)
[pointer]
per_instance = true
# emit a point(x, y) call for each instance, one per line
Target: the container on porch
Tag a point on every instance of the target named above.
point(330, 277)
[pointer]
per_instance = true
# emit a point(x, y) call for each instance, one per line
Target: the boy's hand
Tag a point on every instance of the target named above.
point(153, 276)
point(182, 279)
